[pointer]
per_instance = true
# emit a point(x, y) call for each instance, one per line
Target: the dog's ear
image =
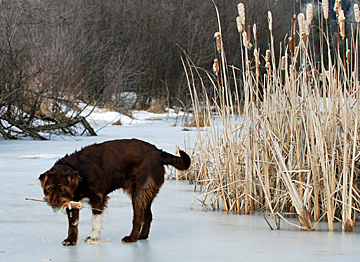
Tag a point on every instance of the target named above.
point(73, 178)
point(43, 178)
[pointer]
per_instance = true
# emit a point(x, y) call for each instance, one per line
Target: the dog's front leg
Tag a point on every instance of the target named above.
point(73, 218)
point(97, 224)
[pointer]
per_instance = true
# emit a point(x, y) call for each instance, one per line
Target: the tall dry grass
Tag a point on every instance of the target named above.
point(292, 148)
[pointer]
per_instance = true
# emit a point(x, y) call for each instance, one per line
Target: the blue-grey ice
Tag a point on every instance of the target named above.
point(30, 231)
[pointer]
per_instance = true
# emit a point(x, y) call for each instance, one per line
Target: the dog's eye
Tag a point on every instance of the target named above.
point(62, 189)
point(48, 189)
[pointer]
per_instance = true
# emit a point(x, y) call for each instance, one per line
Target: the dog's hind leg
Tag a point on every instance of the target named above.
point(144, 234)
point(142, 211)
point(150, 193)
point(73, 217)
point(97, 220)
point(138, 210)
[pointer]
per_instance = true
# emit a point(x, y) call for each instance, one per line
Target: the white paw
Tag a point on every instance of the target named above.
point(92, 240)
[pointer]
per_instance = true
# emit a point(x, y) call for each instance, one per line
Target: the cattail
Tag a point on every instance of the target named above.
point(256, 54)
point(302, 25)
point(294, 28)
point(218, 41)
point(341, 15)
point(257, 61)
point(268, 56)
point(342, 28)
point(301, 21)
point(325, 5)
point(216, 66)
point(283, 62)
point(348, 56)
point(241, 10)
point(307, 28)
point(254, 32)
point(291, 47)
point(337, 5)
point(244, 36)
point(341, 21)
point(270, 20)
point(309, 13)
point(294, 20)
point(239, 25)
point(268, 59)
point(357, 13)
point(248, 34)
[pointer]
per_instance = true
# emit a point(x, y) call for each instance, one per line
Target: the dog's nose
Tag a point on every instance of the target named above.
point(54, 203)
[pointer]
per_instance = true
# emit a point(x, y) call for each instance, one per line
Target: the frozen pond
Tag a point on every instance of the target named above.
point(30, 231)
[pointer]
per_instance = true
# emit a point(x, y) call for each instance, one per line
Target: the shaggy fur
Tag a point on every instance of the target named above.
point(133, 165)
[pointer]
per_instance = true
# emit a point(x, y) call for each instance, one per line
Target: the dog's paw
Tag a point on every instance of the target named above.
point(91, 240)
point(143, 237)
point(128, 239)
point(69, 242)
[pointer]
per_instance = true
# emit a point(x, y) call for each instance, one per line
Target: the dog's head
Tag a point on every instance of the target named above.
point(59, 184)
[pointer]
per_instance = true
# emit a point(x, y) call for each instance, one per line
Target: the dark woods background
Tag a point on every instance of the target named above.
point(54, 53)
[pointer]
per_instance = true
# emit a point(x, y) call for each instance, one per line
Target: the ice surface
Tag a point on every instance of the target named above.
point(30, 231)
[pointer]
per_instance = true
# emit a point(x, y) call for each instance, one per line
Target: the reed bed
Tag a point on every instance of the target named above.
point(290, 145)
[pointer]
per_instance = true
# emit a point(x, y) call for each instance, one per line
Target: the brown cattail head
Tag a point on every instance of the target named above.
point(239, 24)
point(325, 6)
point(254, 32)
point(337, 6)
point(342, 29)
point(270, 20)
point(341, 21)
point(283, 62)
point(268, 56)
point(357, 13)
point(348, 56)
point(291, 47)
point(216, 67)
point(241, 10)
point(256, 55)
point(218, 41)
point(309, 13)
point(268, 66)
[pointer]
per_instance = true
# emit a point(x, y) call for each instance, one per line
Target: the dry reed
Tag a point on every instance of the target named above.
point(296, 150)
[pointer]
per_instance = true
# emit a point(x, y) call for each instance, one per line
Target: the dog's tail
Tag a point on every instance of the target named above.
point(181, 162)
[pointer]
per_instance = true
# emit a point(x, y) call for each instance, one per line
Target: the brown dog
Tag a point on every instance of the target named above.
point(97, 170)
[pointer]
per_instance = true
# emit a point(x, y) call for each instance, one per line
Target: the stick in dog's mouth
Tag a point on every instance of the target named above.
point(70, 205)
